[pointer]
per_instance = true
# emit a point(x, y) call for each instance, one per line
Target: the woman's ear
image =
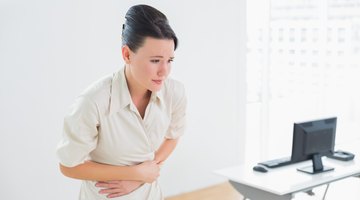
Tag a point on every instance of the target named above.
point(125, 50)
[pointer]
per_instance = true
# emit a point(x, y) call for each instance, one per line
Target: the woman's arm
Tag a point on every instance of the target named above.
point(166, 148)
point(147, 171)
point(118, 188)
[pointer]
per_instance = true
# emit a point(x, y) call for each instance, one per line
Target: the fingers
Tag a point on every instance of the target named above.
point(115, 181)
point(160, 164)
point(114, 189)
point(115, 195)
point(107, 184)
point(111, 191)
point(112, 194)
point(151, 162)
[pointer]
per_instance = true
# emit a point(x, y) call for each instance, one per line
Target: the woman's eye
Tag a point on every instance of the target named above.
point(154, 61)
point(169, 61)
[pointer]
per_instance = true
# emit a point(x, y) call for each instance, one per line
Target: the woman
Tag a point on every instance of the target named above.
point(124, 126)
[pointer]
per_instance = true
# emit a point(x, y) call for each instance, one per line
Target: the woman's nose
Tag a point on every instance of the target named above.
point(163, 69)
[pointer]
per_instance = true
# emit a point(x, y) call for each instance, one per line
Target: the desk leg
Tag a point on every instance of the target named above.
point(257, 194)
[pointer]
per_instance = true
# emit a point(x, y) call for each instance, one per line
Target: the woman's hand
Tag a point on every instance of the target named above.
point(117, 188)
point(149, 171)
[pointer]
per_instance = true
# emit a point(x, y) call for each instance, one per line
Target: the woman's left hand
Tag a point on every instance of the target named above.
point(117, 188)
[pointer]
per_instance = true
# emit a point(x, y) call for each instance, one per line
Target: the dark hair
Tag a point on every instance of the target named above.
point(145, 21)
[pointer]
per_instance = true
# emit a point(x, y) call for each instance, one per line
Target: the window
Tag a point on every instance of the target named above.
point(302, 64)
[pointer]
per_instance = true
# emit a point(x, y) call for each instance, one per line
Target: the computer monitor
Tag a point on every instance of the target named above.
point(312, 140)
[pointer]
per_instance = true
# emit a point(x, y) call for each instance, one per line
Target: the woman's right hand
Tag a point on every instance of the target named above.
point(149, 171)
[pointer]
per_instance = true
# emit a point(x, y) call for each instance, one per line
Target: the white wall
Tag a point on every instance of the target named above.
point(51, 50)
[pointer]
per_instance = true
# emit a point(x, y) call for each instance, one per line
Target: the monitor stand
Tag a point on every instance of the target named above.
point(317, 166)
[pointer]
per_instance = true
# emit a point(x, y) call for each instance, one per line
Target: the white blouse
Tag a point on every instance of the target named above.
point(103, 125)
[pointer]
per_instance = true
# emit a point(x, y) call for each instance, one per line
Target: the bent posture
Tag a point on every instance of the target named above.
point(123, 127)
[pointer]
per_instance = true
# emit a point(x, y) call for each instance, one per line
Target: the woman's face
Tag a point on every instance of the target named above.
point(150, 65)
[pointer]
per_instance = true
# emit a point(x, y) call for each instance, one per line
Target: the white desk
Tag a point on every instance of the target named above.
point(283, 182)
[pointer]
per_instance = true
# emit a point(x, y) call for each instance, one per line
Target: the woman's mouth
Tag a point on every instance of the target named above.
point(157, 82)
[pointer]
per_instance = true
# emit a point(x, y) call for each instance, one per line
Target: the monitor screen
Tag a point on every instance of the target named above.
point(313, 139)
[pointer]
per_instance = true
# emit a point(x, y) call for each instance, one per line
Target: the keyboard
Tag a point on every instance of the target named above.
point(277, 162)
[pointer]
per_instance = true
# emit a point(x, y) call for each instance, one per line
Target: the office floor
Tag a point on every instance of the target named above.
point(348, 189)
point(222, 191)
